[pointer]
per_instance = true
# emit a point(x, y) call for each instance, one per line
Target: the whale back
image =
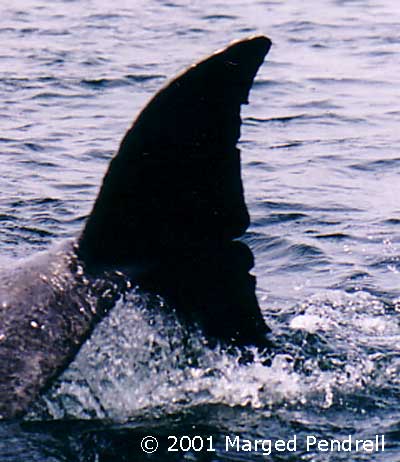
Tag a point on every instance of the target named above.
point(170, 204)
point(175, 183)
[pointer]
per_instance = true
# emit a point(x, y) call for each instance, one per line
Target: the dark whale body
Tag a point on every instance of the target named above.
point(166, 217)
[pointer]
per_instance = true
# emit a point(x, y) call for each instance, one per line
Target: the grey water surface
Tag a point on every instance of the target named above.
point(321, 163)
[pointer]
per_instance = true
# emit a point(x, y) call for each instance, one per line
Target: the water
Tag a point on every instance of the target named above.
point(320, 149)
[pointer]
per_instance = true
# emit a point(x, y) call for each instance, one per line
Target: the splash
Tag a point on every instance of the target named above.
point(141, 361)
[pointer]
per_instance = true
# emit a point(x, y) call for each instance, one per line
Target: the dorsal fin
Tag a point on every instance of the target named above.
point(175, 182)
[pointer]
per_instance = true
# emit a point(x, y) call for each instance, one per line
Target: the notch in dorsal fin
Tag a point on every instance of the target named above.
point(175, 183)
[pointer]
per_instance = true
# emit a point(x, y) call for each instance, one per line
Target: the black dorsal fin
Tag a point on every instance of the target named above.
point(175, 182)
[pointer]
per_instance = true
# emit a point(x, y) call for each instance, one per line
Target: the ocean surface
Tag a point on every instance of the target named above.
point(321, 164)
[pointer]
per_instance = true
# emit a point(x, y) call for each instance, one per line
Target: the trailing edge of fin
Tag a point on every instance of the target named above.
point(175, 182)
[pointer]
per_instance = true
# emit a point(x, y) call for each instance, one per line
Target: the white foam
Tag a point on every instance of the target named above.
point(141, 360)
